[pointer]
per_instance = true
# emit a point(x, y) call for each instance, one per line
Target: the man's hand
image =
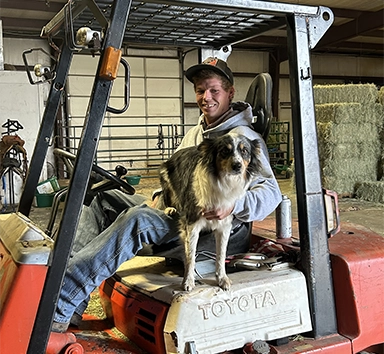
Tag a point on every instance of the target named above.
point(218, 214)
point(154, 202)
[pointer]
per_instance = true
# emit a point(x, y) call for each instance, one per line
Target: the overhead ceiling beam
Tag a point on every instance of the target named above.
point(266, 43)
point(267, 40)
point(22, 25)
point(375, 34)
point(282, 42)
point(53, 7)
point(366, 22)
point(346, 13)
point(356, 45)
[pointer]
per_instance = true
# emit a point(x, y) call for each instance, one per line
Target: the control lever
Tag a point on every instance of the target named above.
point(120, 171)
point(127, 79)
point(332, 212)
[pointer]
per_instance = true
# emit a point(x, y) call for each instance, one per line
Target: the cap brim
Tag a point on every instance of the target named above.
point(193, 70)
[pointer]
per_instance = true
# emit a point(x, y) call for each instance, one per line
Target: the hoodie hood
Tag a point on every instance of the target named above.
point(239, 120)
point(241, 115)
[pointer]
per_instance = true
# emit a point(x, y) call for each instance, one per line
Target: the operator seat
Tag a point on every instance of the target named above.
point(259, 96)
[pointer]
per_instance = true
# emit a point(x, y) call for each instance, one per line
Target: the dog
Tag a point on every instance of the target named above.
point(210, 176)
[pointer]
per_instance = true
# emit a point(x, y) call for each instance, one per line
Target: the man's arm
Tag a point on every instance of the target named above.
point(264, 194)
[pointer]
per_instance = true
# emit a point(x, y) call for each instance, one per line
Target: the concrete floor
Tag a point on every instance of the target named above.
point(355, 211)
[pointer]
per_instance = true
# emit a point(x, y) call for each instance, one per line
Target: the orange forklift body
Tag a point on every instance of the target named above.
point(20, 292)
point(357, 258)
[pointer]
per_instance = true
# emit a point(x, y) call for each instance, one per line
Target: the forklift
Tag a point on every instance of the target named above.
point(332, 303)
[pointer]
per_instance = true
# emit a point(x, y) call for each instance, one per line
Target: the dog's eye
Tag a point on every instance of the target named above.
point(244, 151)
point(225, 151)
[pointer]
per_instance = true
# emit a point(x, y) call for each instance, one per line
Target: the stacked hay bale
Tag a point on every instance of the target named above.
point(349, 123)
point(371, 191)
point(381, 162)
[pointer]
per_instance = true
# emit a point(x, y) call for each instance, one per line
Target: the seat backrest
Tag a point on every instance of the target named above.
point(259, 96)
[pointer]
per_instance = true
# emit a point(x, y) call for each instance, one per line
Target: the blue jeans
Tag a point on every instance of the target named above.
point(103, 243)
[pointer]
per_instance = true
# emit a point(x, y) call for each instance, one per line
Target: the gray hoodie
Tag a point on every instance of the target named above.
point(264, 194)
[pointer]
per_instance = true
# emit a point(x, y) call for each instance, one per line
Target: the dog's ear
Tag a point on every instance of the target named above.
point(255, 164)
point(255, 146)
point(206, 148)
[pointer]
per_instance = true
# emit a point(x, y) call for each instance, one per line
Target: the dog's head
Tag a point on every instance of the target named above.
point(231, 155)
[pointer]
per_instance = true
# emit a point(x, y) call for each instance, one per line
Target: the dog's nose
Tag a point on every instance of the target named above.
point(236, 166)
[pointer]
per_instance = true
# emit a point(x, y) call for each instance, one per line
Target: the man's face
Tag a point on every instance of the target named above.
point(212, 99)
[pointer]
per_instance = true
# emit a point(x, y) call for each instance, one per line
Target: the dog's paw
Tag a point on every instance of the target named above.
point(188, 284)
point(224, 283)
point(170, 211)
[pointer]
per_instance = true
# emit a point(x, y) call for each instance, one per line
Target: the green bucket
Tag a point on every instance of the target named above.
point(51, 185)
point(44, 200)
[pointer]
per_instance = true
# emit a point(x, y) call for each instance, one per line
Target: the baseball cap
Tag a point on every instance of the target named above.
point(217, 65)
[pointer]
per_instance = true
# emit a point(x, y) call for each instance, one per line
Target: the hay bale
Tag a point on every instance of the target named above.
point(334, 134)
point(342, 151)
point(345, 179)
point(350, 129)
point(349, 142)
point(381, 168)
point(349, 113)
point(359, 93)
point(341, 187)
point(371, 191)
point(358, 170)
point(344, 166)
point(381, 95)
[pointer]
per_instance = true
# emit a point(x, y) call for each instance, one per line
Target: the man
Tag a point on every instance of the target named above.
point(101, 246)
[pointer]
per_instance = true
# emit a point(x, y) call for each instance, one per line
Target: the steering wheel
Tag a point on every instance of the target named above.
point(110, 181)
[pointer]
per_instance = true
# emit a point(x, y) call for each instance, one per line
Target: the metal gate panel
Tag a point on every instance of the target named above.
point(131, 138)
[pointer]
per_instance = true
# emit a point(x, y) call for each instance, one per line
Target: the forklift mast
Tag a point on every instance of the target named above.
point(305, 27)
